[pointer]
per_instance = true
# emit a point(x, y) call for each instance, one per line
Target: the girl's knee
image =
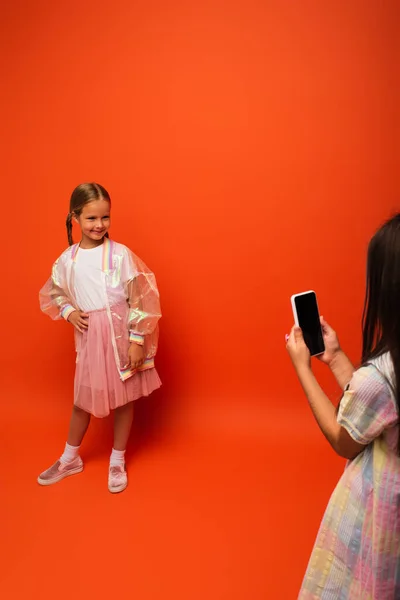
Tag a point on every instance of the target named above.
point(126, 408)
point(79, 411)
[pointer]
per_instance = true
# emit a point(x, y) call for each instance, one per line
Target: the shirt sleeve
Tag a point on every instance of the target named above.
point(143, 298)
point(367, 407)
point(52, 297)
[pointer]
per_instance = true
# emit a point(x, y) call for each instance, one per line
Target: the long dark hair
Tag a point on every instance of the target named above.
point(82, 195)
point(381, 316)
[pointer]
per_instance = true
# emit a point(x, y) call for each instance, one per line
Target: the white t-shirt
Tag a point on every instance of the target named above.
point(89, 287)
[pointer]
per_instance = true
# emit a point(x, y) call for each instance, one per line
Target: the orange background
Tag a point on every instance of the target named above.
point(250, 152)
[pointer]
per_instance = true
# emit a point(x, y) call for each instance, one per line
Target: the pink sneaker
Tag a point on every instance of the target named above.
point(60, 470)
point(117, 479)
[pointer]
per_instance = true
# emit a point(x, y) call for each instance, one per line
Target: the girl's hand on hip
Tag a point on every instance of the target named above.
point(297, 349)
point(136, 356)
point(79, 320)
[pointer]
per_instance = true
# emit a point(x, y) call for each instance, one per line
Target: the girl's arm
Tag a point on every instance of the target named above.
point(334, 356)
point(144, 301)
point(322, 408)
point(326, 417)
point(52, 297)
point(342, 369)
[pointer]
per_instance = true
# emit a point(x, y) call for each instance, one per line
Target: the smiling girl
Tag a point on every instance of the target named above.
point(111, 299)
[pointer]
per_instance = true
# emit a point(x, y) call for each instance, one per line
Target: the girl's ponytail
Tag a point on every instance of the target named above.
point(69, 228)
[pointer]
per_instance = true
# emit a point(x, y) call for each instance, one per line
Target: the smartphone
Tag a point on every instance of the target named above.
point(306, 316)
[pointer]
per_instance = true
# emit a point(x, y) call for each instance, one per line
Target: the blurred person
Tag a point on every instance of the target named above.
point(357, 550)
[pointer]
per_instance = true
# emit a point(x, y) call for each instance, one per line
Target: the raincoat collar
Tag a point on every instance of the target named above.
point(107, 254)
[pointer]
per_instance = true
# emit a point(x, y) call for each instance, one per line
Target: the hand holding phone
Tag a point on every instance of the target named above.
point(306, 316)
point(331, 341)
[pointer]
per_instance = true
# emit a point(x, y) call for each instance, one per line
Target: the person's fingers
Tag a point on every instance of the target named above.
point(291, 340)
point(298, 334)
point(326, 328)
point(84, 315)
point(298, 337)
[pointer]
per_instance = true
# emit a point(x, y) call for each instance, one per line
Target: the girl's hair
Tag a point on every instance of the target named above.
point(82, 195)
point(381, 316)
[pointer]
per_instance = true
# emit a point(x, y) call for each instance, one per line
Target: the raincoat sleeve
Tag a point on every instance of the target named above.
point(143, 299)
point(53, 298)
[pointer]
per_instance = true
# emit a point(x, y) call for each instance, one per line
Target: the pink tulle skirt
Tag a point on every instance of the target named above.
point(98, 388)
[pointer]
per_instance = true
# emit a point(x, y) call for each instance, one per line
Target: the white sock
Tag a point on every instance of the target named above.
point(70, 453)
point(117, 458)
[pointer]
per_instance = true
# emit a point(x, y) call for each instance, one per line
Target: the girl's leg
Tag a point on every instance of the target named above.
point(123, 419)
point(78, 426)
point(70, 462)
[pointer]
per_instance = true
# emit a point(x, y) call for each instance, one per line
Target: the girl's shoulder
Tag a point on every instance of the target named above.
point(132, 261)
point(66, 255)
point(119, 248)
point(376, 377)
point(381, 370)
point(384, 365)
point(122, 250)
point(368, 406)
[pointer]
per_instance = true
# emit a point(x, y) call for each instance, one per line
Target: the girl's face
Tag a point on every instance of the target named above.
point(94, 221)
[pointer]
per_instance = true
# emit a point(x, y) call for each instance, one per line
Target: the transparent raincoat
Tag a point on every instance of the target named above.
point(132, 301)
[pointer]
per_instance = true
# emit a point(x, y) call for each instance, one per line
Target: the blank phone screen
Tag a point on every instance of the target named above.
point(309, 322)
